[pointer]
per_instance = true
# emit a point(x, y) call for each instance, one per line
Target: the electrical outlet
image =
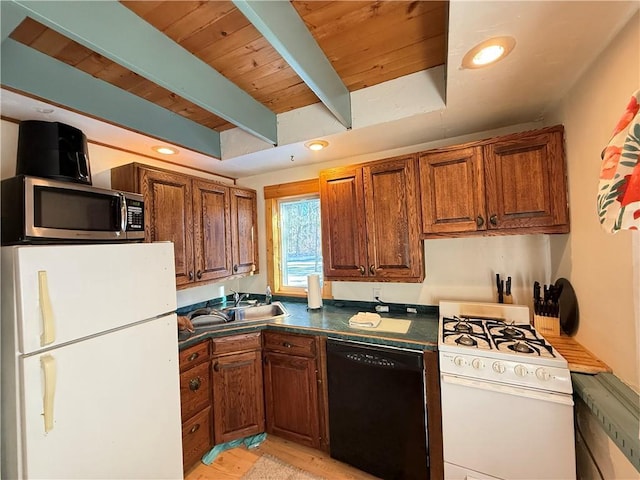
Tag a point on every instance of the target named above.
point(377, 291)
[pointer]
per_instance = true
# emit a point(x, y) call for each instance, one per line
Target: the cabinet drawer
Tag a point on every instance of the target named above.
point(195, 386)
point(236, 343)
point(290, 343)
point(197, 438)
point(194, 355)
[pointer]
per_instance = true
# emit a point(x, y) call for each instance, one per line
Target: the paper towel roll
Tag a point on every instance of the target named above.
point(314, 292)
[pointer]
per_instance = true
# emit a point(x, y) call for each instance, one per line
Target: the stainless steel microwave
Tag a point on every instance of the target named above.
point(39, 210)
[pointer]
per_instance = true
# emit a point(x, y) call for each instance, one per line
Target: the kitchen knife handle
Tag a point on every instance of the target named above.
point(48, 322)
point(48, 365)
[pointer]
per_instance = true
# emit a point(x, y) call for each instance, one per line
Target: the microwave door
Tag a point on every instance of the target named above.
point(73, 214)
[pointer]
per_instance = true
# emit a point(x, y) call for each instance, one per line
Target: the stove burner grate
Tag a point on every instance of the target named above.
point(467, 341)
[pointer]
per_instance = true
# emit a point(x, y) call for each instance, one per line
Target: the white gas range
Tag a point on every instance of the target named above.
point(507, 409)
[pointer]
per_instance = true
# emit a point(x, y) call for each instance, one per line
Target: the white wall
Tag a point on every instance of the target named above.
point(603, 268)
point(598, 264)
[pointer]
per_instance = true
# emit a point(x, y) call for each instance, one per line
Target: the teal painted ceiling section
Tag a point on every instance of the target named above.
point(114, 31)
point(280, 24)
point(11, 16)
point(30, 71)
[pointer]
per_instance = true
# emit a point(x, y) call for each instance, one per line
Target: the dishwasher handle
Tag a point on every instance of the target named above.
point(376, 356)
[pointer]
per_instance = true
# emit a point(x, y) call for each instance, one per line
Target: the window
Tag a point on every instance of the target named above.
point(300, 243)
point(294, 243)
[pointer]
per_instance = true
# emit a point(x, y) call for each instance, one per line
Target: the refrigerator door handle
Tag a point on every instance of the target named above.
point(48, 364)
point(48, 322)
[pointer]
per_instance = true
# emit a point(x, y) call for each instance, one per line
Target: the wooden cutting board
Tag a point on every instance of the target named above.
point(579, 358)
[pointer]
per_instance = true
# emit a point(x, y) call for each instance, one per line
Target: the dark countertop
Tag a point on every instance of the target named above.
point(333, 320)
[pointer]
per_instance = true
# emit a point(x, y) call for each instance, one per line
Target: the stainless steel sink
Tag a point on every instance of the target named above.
point(258, 312)
point(204, 318)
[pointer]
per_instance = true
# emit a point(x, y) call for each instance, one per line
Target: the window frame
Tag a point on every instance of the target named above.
point(273, 194)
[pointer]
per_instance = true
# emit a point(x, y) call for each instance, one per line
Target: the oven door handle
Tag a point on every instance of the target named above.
point(561, 398)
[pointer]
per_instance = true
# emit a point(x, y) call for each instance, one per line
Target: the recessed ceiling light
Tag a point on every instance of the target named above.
point(44, 110)
point(165, 150)
point(316, 145)
point(488, 52)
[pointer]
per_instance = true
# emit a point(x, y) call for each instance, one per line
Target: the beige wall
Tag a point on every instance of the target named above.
point(598, 264)
point(603, 268)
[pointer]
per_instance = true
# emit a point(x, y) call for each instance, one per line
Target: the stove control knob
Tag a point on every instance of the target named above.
point(542, 374)
point(520, 370)
point(498, 367)
point(459, 361)
point(477, 363)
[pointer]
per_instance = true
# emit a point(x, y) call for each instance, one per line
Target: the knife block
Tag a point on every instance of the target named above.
point(547, 325)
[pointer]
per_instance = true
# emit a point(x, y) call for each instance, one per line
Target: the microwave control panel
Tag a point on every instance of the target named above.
point(135, 215)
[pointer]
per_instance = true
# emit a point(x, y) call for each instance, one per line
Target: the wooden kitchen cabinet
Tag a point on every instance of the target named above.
point(238, 398)
point(212, 226)
point(506, 185)
point(370, 222)
point(195, 403)
point(292, 373)
point(243, 230)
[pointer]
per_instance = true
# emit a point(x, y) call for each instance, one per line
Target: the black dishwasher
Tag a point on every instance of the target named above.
point(377, 419)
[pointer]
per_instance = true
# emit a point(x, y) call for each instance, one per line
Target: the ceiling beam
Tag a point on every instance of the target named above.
point(114, 31)
point(10, 16)
point(279, 22)
point(37, 74)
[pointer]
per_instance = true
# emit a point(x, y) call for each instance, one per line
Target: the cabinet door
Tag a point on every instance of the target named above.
point(168, 215)
point(291, 396)
point(525, 181)
point(244, 238)
point(211, 230)
point(238, 406)
point(392, 222)
point(344, 242)
point(452, 191)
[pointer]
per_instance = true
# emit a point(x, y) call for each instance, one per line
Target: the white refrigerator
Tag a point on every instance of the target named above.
point(90, 383)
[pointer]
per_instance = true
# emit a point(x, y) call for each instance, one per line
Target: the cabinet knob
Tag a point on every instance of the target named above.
point(362, 270)
point(193, 356)
point(190, 275)
point(372, 269)
point(195, 428)
point(286, 345)
point(493, 219)
point(194, 384)
point(216, 367)
point(479, 221)
point(235, 268)
point(199, 274)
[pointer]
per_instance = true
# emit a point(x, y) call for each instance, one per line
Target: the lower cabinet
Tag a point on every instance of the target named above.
point(195, 403)
point(291, 376)
point(238, 402)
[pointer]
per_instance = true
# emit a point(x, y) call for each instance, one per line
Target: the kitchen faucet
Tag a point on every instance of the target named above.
point(237, 298)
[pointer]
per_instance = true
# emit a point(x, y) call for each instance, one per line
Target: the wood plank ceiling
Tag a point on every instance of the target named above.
point(367, 43)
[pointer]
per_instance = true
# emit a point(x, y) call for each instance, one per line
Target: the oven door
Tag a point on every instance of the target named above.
point(499, 431)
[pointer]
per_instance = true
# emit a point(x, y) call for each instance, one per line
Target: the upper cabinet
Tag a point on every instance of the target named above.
point(244, 240)
point(370, 222)
point(214, 234)
point(506, 185)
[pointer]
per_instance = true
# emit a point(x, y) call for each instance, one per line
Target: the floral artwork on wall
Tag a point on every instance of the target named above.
point(619, 188)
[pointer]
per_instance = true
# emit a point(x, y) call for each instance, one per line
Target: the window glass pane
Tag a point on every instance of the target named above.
point(301, 248)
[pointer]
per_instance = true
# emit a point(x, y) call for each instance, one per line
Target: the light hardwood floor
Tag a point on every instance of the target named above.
point(232, 464)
